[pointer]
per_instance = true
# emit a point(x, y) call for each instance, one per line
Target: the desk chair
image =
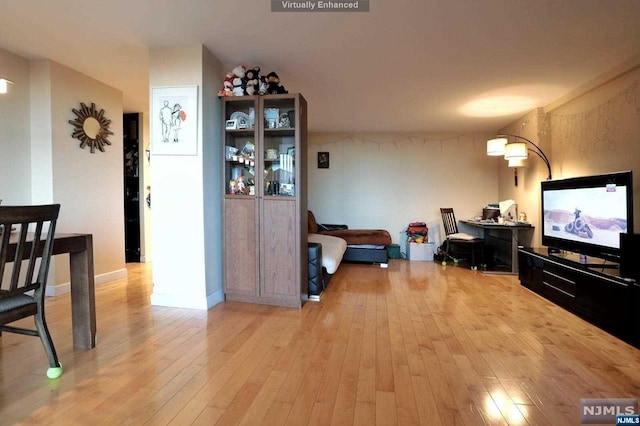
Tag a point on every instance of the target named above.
point(458, 244)
point(22, 294)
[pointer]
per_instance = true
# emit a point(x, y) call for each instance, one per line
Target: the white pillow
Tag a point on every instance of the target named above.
point(461, 236)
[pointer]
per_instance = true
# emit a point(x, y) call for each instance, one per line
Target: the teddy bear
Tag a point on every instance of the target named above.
point(238, 87)
point(252, 81)
point(227, 85)
point(232, 81)
point(238, 80)
point(273, 84)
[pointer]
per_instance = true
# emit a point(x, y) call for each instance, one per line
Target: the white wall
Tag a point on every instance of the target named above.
point(185, 205)
point(387, 180)
point(15, 150)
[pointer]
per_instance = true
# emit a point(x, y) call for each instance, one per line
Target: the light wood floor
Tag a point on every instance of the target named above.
point(416, 343)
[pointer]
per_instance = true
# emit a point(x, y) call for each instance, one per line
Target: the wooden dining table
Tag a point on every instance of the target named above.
point(83, 301)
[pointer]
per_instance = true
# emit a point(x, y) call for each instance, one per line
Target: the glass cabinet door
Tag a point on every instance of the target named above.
point(240, 147)
point(279, 163)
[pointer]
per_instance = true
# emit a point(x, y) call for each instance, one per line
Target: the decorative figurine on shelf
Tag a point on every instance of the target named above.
point(284, 122)
point(233, 186)
point(240, 186)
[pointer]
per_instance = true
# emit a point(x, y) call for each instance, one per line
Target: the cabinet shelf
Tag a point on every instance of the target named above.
point(241, 132)
point(282, 131)
point(265, 204)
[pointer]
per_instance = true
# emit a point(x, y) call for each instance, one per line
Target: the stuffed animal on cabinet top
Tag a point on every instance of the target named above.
point(273, 84)
point(252, 81)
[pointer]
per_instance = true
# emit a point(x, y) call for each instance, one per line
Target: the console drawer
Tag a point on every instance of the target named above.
point(559, 289)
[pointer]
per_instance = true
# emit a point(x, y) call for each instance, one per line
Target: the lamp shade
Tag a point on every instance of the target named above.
point(496, 146)
point(3, 85)
point(516, 151)
point(517, 163)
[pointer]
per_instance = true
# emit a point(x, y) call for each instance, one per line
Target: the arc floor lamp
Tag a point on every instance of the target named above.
point(516, 152)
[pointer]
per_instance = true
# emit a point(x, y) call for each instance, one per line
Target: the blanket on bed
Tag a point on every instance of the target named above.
point(378, 237)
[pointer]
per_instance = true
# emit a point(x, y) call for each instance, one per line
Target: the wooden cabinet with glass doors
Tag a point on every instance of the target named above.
point(265, 201)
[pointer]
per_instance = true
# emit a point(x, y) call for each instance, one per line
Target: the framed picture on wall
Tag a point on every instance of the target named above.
point(174, 120)
point(323, 160)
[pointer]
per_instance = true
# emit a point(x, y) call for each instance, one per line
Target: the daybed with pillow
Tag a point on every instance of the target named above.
point(363, 245)
point(331, 244)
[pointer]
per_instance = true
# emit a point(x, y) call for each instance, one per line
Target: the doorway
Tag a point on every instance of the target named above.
point(131, 144)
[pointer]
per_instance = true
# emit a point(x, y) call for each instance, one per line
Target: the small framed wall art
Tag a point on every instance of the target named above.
point(323, 160)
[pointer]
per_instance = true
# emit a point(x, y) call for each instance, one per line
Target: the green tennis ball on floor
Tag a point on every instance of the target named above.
point(54, 372)
point(444, 263)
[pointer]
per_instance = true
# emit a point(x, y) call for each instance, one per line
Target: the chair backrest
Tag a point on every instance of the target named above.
point(449, 221)
point(26, 244)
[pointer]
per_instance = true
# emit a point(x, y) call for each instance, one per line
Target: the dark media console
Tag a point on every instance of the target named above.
point(594, 292)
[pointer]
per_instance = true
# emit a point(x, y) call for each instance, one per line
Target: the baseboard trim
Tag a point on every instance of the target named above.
point(179, 301)
point(58, 289)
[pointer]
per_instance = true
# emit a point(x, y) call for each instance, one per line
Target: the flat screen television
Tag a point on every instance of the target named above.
point(586, 215)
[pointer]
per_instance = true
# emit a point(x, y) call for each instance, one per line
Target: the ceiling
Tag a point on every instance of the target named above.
point(407, 65)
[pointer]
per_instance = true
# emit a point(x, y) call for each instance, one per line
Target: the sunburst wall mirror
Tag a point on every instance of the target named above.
point(91, 127)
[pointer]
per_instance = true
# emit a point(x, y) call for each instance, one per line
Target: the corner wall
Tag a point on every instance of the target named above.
point(185, 201)
point(595, 131)
point(41, 163)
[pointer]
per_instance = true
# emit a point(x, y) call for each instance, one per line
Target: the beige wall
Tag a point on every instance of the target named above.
point(88, 186)
point(44, 164)
point(599, 132)
point(387, 180)
point(527, 192)
point(595, 131)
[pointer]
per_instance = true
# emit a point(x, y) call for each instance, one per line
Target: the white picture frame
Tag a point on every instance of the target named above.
point(174, 120)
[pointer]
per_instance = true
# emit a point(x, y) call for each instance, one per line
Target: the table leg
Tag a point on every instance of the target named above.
point(83, 303)
point(514, 250)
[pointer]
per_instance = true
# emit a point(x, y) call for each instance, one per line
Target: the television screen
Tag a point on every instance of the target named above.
point(587, 214)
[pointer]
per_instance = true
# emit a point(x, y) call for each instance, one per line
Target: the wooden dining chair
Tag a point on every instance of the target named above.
point(458, 244)
point(24, 266)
